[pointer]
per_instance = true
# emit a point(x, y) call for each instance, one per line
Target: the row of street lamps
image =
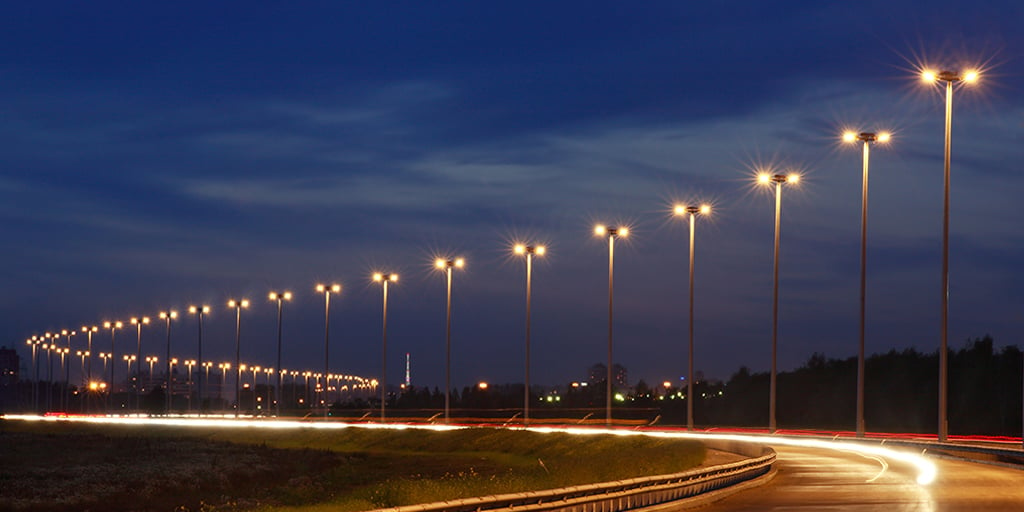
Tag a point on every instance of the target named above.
point(447, 265)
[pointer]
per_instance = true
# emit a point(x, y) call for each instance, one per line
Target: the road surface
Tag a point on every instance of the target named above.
point(823, 479)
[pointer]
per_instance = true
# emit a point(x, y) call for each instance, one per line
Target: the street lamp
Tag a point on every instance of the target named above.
point(866, 138)
point(66, 395)
point(223, 367)
point(528, 251)
point(949, 77)
point(447, 265)
point(113, 326)
point(280, 298)
point(238, 305)
point(151, 360)
point(34, 343)
point(190, 363)
point(128, 359)
point(200, 311)
point(206, 379)
point(691, 212)
point(327, 290)
point(384, 279)
point(89, 330)
point(777, 180)
point(612, 234)
point(254, 370)
point(167, 316)
point(138, 323)
point(268, 372)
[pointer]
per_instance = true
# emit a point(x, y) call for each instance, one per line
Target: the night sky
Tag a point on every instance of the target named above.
point(164, 154)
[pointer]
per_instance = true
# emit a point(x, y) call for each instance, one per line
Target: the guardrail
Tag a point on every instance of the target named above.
point(611, 496)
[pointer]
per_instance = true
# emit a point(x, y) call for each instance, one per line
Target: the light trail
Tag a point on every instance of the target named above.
point(926, 470)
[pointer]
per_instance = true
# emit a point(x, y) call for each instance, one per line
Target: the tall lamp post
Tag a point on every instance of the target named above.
point(384, 279)
point(447, 265)
point(167, 316)
point(612, 234)
point(238, 305)
point(200, 311)
point(327, 290)
point(529, 251)
point(34, 344)
point(66, 395)
point(691, 212)
point(950, 78)
point(777, 180)
point(89, 330)
point(151, 360)
point(280, 297)
point(113, 326)
point(138, 323)
point(866, 138)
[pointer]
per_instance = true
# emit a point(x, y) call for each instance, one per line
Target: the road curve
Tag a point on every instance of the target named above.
point(826, 479)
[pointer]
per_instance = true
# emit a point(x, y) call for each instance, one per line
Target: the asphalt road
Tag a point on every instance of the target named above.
point(824, 479)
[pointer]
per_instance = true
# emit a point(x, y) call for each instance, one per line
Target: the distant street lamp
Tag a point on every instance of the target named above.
point(777, 180)
point(105, 356)
point(949, 77)
point(167, 316)
point(612, 234)
point(691, 212)
point(384, 279)
point(327, 290)
point(89, 330)
point(528, 251)
point(280, 297)
point(34, 344)
point(204, 380)
point(66, 395)
point(190, 363)
point(223, 367)
point(200, 311)
point(113, 326)
point(238, 305)
point(138, 323)
point(128, 359)
point(268, 372)
point(254, 370)
point(447, 265)
point(151, 360)
point(866, 138)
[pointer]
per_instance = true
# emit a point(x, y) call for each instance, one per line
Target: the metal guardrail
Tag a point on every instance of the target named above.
point(611, 496)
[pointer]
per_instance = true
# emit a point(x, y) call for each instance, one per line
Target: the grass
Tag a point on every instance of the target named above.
point(73, 466)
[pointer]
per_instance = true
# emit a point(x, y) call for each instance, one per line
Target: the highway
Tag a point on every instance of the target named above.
point(826, 479)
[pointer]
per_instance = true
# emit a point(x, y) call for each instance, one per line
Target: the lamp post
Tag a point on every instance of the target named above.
point(268, 372)
point(189, 363)
point(327, 290)
point(34, 344)
point(384, 279)
point(205, 380)
point(447, 265)
point(66, 394)
point(113, 326)
point(200, 311)
point(128, 359)
point(167, 316)
point(138, 323)
point(777, 180)
point(280, 297)
point(612, 234)
point(110, 388)
point(238, 305)
point(529, 251)
point(89, 330)
point(866, 138)
point(83, 402)
point(151, 360)
point(254, 370)
point(223, 367)
point(691, 212)
point(950, 78)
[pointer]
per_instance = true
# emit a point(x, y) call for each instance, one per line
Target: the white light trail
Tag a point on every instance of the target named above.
point(926, 470)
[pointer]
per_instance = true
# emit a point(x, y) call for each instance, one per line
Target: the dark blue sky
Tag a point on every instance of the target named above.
point(158, 155)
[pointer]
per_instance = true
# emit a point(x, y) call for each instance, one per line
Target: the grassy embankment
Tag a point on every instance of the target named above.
point(72, 466)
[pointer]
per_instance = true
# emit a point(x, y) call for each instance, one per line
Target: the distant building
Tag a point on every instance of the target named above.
point(599, 372)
